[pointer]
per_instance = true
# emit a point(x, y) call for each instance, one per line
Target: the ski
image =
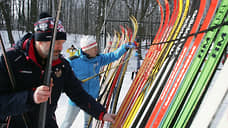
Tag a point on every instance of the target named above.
point(186, 63)
point(124, 39)
point(177, 14)
point(163, 55)
point(189, 77)
point(205, 75)
point(132, 38)
point(215, 95)
point(127, 99)
point(119, 86)
point(132, 110)
point(176, 67)
point(106, 50)
point(110, 72)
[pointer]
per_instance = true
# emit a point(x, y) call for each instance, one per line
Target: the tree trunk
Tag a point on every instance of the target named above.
point(100, 20)
point(86, 24)
point(33, 14)
point(6, 11)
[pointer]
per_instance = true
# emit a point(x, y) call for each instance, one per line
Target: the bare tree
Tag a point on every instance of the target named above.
point(86, 22)
point(103, 11)
point(5, 10)
point(21, 15)
point(33, 14)
point(100, 19)
point(79, 16)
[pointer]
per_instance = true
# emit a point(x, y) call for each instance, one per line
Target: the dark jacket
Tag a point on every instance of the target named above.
point(29, 75)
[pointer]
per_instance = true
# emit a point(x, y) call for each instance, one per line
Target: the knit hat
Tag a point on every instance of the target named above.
point(44, 29)
point(87, 42)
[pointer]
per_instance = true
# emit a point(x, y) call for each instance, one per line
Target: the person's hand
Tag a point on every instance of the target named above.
point(42, 93)
point(130, 45)
point(109, 118)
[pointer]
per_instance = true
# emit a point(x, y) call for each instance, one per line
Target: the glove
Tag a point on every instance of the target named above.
point(130, 45)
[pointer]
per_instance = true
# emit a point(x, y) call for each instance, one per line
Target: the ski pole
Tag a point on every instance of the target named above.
point(47, 75)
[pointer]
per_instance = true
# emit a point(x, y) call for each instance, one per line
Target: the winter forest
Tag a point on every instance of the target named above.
point(93, 17)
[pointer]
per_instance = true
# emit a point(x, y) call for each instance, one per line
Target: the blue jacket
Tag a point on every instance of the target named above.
point(84, 67)
point(29, 75)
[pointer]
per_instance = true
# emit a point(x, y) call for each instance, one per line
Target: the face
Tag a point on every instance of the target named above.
point(43, 48)
point(92, 52)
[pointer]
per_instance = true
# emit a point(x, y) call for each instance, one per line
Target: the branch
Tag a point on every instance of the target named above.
point(128, 5)
point(149, 13)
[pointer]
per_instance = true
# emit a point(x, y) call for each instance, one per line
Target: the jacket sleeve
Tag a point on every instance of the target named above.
point(112, 56)
point(12, 102)
point(15, 103)
point(78, 95)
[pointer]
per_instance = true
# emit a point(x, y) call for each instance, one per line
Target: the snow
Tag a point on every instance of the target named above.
point(61, 111)
point(63, 102)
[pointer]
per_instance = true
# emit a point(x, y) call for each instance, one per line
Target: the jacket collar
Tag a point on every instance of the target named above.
point(28, 46)
point(85, 57)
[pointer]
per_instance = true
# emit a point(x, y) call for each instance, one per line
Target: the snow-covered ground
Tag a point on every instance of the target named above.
point(63, 102)
point(61, 111)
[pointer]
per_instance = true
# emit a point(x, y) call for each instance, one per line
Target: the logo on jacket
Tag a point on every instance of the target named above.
point(58, 72)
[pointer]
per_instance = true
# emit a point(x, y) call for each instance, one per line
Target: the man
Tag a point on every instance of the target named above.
point(28, 60)
point(86, 64)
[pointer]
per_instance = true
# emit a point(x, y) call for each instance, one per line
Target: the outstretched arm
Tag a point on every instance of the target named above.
point(112, 56)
